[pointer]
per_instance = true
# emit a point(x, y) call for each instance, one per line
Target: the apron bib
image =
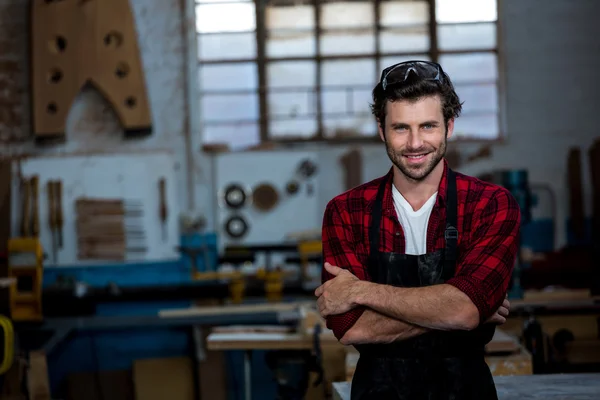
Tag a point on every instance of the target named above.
point(440, 365)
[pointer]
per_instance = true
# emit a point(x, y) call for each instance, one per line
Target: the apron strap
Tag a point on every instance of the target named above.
point(374, 229)
point(450, 235)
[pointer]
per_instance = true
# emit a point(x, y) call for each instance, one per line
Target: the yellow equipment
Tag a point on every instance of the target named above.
point(25, 266)
point(237, 285)
point(306, 250)
point(273, 278)
point(8, 346)
point(273, 283)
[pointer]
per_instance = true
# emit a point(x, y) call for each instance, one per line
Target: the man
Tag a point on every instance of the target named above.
point(418, 262)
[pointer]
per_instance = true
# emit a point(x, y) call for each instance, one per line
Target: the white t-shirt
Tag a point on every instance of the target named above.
point(414, 223)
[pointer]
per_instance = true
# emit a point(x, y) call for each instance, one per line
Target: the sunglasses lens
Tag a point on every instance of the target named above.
point(412, 70)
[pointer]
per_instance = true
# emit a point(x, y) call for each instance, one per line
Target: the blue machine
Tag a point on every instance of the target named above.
point(517, 182)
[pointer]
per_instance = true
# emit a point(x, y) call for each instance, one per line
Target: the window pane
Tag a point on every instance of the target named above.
point(385, 62)
point(237, 136)
point(397, 40)
point(290, 43)
point(399, 12)
point(292, 104)
point(467, 36)
point(347, 15)
point(466, 10)
point(478, 98)
point(351, 126)
point(225, 17)
point(391, 60)
point(229, 107)
point(222, 77)
point(340, 43)
point(477, 127)
point(296, 128)
point(222, 1)
point(227, 46)
point(291, 74)
point(349, 72)
point(300, 17)
point(347, 101)
point(482, 67)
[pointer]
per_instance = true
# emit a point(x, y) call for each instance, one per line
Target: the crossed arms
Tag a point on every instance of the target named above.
point(359, 311)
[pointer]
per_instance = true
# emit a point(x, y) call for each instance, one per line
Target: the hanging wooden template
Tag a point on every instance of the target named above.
point(86, 42)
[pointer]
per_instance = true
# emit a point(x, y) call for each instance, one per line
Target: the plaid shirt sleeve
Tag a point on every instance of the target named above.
point(339, 250)
point(485, 268)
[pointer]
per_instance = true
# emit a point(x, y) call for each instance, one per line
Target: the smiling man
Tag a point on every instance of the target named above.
point(418, 262)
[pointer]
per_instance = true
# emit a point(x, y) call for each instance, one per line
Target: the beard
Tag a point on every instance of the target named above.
point(417, 172)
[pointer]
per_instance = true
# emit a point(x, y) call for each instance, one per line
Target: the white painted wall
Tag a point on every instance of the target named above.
point(550, 58)
point(125, 177)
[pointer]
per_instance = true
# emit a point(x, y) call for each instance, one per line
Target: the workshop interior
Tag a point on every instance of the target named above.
point(165, 166)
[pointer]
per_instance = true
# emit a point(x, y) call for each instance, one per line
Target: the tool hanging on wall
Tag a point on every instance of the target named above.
point(35, 198)
point(265, 197)
point(109, 229)
point(25, 208)
point(55, 215)
point(163, 207)
point(79, 43)
point(25, 258)
point(235, 196)
point(236, 227)
point(52, 220)
point(58, 189)
point(30, 213)
point(352, 164)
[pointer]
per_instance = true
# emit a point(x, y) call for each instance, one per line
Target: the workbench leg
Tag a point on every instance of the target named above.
point(198, 355)
point(248, 375)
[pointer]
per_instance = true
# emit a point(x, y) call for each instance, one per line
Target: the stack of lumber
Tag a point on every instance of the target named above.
point(108, 229)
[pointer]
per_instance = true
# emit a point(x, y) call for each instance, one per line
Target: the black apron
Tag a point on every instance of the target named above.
point(439, 365)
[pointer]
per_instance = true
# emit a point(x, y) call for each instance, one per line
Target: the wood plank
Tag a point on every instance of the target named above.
point(229, 309)
point(163, 378)
point(502, 342)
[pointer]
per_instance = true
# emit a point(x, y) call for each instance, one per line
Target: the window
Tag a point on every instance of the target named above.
point(297, 70)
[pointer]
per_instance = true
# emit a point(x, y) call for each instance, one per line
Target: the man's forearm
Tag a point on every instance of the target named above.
point(441, 307)
point(373, 327)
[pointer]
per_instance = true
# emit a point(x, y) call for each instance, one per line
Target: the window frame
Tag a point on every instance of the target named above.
point(262, 62)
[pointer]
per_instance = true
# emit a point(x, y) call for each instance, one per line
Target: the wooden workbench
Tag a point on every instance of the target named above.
point(531, 387)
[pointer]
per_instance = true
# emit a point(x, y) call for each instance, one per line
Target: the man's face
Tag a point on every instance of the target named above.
point(415, 135)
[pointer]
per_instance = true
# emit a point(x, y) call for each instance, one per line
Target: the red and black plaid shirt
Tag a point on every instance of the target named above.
point(488, 227)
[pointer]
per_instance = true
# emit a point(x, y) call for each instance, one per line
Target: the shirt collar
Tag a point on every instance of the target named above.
point(388, 200)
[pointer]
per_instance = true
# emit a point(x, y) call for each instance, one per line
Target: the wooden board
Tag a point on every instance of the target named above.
point(76, 43)
point(163, 378)
point(228, 310)
point(502, 342)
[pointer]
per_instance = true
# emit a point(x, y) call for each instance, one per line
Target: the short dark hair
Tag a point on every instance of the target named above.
point(414, 90)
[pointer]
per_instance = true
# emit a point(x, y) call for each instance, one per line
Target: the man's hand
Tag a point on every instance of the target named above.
point(337, 295)
point(500, 315)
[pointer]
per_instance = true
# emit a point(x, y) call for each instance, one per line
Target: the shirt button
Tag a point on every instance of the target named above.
point(397, 233)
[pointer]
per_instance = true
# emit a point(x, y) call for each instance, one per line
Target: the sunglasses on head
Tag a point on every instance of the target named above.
point(401, 72)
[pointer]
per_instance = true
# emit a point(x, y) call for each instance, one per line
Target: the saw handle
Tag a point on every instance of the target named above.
point(35, 192)
point(26, 207)
point(162, 189)
point(51, 205)
point(58, 189)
